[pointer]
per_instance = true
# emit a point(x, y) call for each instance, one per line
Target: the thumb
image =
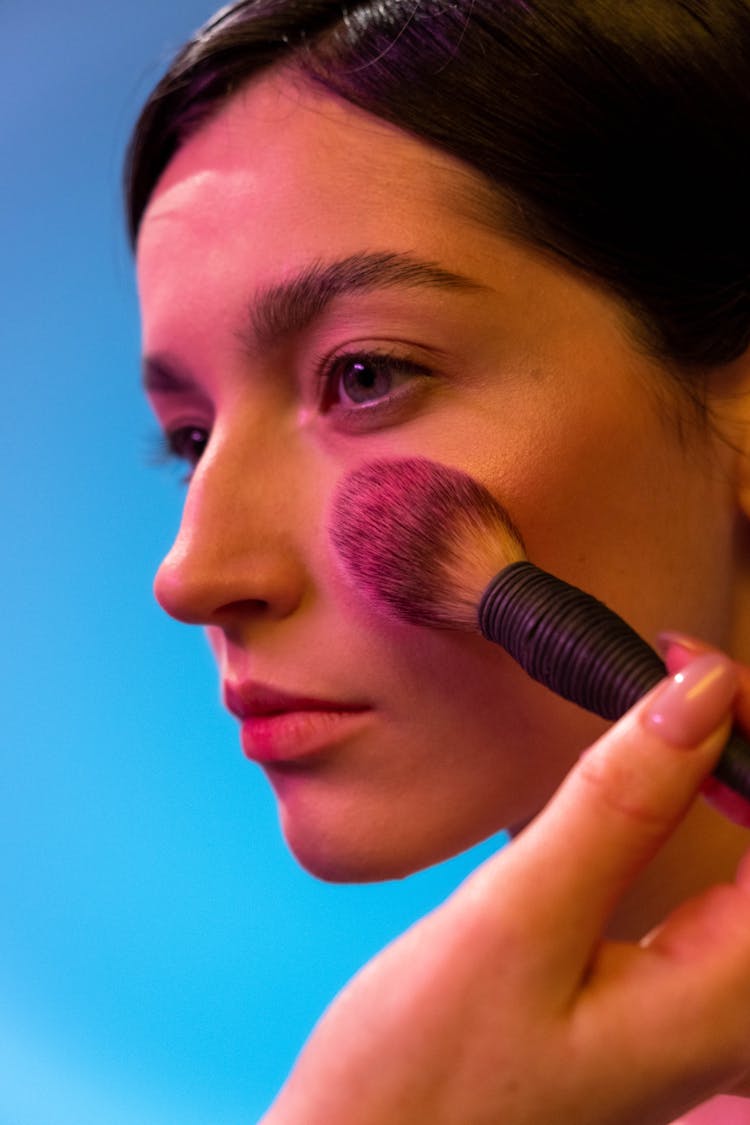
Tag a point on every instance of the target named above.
point(614, 810)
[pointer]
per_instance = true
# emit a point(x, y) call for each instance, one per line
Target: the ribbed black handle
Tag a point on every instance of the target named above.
point(582, 650)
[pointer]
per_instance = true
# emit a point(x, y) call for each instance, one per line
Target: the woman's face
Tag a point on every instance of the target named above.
point(295, 324)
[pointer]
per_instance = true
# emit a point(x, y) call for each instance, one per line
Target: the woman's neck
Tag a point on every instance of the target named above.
point(705, 850)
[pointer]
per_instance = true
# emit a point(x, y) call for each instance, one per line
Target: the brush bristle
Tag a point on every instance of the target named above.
point(421, 539)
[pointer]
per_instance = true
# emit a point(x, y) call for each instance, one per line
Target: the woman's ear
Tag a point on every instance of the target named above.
point(743, 490)
point(729, 398)
point(729, 417)
point(742, 442)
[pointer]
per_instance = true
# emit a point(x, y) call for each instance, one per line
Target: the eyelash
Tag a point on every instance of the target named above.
point(173, 445)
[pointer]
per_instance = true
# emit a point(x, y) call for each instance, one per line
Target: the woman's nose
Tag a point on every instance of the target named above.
point(235, 552)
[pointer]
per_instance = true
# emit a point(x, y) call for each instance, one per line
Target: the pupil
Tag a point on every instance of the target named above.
point(193, 444)
point(364, 377)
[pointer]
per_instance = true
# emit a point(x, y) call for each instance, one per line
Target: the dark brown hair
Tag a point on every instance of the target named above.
point(617, 130)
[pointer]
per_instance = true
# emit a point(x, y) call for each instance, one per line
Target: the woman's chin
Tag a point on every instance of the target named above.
point(345, 858)
point(366, 853)
point(349, 868)
point(345, 823)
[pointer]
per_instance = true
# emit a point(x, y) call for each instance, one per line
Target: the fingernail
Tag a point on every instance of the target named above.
point(693, 703)
point(668, 639)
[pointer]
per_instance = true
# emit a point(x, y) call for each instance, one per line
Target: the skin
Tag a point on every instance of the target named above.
point(476, 1015)
point(537, 392)
point(536, 387)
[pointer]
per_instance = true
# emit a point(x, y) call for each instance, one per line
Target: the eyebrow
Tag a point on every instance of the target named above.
point(161, 375)
point(292, 305)
point(287, 307)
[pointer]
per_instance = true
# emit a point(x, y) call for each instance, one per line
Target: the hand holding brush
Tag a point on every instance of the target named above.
point(509, 1002)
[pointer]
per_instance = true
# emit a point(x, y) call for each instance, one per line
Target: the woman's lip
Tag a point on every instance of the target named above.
point(290, 735)
point(251, 700)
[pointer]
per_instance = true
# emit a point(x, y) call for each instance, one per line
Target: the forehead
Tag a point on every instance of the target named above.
point(286, 159)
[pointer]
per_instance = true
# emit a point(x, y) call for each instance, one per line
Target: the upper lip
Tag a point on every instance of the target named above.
point(246, 700)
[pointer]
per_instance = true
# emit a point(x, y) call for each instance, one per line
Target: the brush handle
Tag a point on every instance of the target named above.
point(578, 647)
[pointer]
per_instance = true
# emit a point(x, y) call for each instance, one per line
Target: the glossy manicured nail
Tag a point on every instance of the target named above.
point(686, 710)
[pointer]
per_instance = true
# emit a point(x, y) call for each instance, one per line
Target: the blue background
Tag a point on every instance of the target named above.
point(162, 958)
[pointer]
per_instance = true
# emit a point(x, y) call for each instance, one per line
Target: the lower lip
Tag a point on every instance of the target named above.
point(294, 734)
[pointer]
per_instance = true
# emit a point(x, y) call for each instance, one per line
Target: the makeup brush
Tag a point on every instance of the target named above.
point(431, 546)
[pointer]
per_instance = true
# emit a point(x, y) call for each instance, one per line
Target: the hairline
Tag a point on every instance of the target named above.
point(471, 196)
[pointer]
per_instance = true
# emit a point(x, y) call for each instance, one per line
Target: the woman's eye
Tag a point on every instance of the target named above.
point(186, 443)
point(358, 380)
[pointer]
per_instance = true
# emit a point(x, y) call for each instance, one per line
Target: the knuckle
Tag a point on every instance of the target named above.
point(622, 789)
